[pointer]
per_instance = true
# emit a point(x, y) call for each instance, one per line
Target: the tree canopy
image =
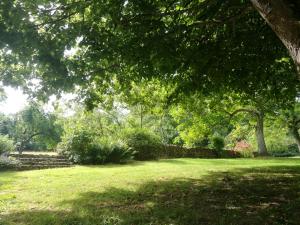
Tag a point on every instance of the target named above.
point(201, 48)
point(201, 45)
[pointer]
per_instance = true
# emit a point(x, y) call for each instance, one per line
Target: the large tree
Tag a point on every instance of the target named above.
point(202, 45)
point(283, 16)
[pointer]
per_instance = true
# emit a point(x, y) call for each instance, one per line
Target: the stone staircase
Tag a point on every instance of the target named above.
point(41, 161)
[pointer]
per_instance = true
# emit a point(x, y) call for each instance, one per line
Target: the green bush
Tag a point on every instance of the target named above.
point(246, 152)
point(8, 163)
point(6, 144)
point(86, 148)
point(218, 143)
point(283, 150)
point(76, 145)
point(119, 154)
point(107, 151)
point(145, 144)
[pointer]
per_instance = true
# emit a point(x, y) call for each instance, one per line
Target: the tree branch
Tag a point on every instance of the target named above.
point(32, 136)
point(250, 111)
point(225, 19)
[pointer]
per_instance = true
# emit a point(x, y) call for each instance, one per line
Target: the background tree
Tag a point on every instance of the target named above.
point(291, 118)
point(198, 122)
point(35, 127)
point(7, 125)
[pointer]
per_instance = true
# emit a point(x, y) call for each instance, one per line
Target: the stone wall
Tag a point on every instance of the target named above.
point(174, 151)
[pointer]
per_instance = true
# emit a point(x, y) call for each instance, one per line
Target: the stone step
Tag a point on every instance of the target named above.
point(42, 159)
point(39, 167)
point(36, 156)
point(46, 163)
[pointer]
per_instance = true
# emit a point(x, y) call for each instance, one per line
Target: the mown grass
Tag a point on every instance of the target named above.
point(181, 191)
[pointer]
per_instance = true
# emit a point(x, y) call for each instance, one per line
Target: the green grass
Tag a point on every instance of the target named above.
point(178, 192)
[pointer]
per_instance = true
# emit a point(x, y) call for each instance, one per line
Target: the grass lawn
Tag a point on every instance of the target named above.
point(178, 192)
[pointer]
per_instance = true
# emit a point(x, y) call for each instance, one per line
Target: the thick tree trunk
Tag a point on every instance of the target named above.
point(260, 137)
point(283, 16)
point(296, 136)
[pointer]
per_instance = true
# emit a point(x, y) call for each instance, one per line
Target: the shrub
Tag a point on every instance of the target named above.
point(107, 151)
point(218, 143)
point(6, 144)
point(76, 145)
point(85, 147)
point(8, 163)
point(246, 152)
point(282, 150)
point(119, 154)
point(145, 144)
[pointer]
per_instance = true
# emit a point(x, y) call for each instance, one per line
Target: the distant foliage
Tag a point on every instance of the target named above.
point(6, 144)
point(283, 150)
point(146, 144)
point(84, 147)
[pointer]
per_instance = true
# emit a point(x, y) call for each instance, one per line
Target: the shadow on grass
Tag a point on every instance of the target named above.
point(135, 163)
point(179, 161)
point(266, 195)
point(113, 165)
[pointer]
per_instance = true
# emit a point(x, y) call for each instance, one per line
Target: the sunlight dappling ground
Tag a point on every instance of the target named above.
point(181, 191)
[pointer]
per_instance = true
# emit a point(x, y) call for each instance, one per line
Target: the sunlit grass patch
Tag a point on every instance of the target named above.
point(179, 191)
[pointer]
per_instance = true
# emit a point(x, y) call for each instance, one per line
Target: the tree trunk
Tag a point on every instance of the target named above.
point(260, 137)
point(141, 117)
point(296, 136)
point(283, 16)
point(101, 126)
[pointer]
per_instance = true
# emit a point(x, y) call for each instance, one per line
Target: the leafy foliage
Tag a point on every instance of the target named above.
point(218, 143)
point(135, 57)
point(6, 144)
point(35, 129)
point(246, 152)
point(83, 147)
point(146, 144)
point(199, 45)
point(283, 150)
